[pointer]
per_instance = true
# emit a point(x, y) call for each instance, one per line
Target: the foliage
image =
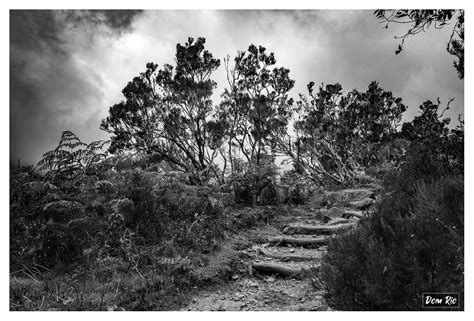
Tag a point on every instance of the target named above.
point(421, 20)
point(392, 258)
point(163, 209)
point(255, 107)
point(300, 187)
point(71, 157)
point(113, 228)
point(254, 184)
point(336, 133)
point(414, 240)
point(434, 151)
point(128, 231)
point(167, 112)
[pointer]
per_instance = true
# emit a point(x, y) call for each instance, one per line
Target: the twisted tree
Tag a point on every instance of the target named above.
point(167, 113)
point(256, 104)
point(337, 133)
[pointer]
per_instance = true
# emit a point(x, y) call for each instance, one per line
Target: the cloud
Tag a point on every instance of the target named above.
point(51, 88)
point(69, 67)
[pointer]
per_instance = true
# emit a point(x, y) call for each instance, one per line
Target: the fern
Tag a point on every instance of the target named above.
point(71, 157)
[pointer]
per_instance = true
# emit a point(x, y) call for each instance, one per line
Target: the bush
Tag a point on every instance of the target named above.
point(395, 256)
point(160, 208)
point(255, 185)
point(299, 187)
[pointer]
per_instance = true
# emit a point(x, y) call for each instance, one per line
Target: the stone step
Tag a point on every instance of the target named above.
point(300, 241)
point(362, 204)
point(317, 229)
point(349, 214)
point(340, 220)
point(291, 254)
point(286, 269)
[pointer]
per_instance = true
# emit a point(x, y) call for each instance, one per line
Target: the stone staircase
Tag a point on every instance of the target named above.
point(302, 242)
point(276, 270)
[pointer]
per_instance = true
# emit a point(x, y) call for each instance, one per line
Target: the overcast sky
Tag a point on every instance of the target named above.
point(68, 68)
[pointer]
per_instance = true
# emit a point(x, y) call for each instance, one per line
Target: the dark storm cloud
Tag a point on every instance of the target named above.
point(47, 84)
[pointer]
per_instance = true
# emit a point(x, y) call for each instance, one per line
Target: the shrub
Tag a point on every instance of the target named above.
point(255, 185)
point(299, 187)
point(394, 256)
point(414, 240)
point(159, 208)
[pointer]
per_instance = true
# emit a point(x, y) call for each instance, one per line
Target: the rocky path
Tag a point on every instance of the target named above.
point(280, 267)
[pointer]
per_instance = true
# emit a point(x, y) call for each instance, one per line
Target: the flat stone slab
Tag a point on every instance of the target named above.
point(291, 254)
point(288, 269)
point(348, 214)
point(303, 241)
point(346, 196)
point(317, 229)
point(339, 220)
point(362, 204)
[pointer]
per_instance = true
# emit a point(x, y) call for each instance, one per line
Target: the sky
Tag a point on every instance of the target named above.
point(68, 67)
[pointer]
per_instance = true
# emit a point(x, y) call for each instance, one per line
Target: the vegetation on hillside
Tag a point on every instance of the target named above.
point(122, 224)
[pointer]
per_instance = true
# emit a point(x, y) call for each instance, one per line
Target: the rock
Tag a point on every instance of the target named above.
point(349, 214)
point(305, 242)
point(250, 269)
point(235, 277)
point(271, 267)
point(326, 219)
point(343, 197)
point(270, 279)
point(317, 229)
point(250, 283)
point(335, 212)
point(339, 220)
point(362, 204)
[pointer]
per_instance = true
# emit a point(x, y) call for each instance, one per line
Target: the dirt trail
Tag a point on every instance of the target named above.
point(282, 259)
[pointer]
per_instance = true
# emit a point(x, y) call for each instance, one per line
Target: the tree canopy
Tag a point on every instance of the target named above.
point(166, 112)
